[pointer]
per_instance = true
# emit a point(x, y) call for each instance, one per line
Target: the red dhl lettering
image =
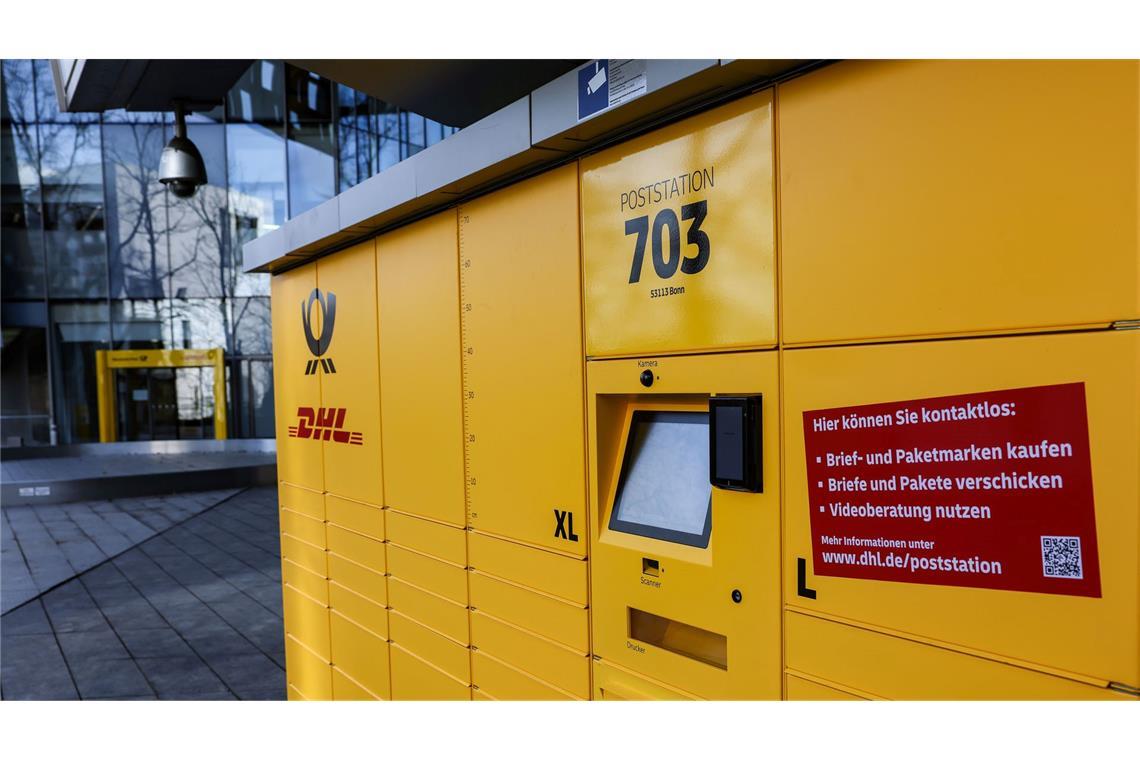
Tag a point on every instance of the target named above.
point(324, 424)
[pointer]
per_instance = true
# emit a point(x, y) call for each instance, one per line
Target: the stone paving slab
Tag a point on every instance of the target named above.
point(45, 545)
point(193, 613)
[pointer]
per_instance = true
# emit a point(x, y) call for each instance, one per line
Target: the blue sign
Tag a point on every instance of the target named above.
point(593, 88)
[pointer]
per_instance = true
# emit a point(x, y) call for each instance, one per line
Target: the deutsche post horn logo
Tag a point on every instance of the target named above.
point(319, 345)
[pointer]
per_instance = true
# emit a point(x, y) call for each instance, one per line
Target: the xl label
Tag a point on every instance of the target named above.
point(989, 490)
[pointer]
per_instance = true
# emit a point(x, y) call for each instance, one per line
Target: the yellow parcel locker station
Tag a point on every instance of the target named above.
point(684, 488)
point(828, 391)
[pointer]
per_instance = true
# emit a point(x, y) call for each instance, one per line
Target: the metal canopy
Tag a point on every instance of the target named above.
point(453, 92)
point(88, 85)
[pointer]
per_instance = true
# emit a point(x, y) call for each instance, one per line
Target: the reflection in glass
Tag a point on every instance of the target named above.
point(78, 330)
point(71, 165)
point(257, 193)
point(312, 167)
point(258, 96)
point(47, 106)
point(137, 238)
point(18, 97)
point(23, 386)
point(346, 144)
point(197, 323)
point(200, 226)
point(251, 326)
point(21, 236)
point(137, 324)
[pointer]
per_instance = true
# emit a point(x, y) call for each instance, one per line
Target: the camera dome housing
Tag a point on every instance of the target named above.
point(181, 167)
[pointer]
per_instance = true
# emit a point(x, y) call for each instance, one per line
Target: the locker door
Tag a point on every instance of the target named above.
point(522, 360)
point(297, 393)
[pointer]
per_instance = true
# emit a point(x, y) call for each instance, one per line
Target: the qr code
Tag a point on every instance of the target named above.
point(1061, 557)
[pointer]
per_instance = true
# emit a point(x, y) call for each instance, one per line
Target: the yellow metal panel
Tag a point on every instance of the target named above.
point(437, 612)
point(361, 610)
point(942, 197)
point(553, 573)
point(801, 689)
point(308, 675)
point(897, 668)
point(497, 680)
point(345, 689)
point(1087, 636)
point(360, 654)
point(678, 236)
point(356, 516)
point(310, 557)
point(613, 683)
point(364, 581)
point(450, 657)
point(428, 573)
point(437, 539)
point(294, 695)
point(415, 679)
point(306, 620)
point(420, 369)
point(298, 459)
point(305, 581)
point(540, 613)
point(308, 503)
point(522, 361)
point(360, 549)
point(546, 659)
point(352, 469)
point(737, 653)
point(305, 528)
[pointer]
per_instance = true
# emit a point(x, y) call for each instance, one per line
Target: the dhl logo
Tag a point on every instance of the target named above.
point(324, 423)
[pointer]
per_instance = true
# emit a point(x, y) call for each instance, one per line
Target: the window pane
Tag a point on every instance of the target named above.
point(251, 327)
point(79, 330)
point(256, 166)
point(21, 235)
point(17, 100)
point(200, 226)
point(47, 106)
point(137, 240)
point(347, 157)
point(138, 324)
point(416, 130)
point(258, 97)
point(23, 386)
point(307, 96)
point(71, 164)
point(196, 322)
point(312, 167)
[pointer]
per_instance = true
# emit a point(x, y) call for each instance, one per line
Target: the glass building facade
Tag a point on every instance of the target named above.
point(97, 254)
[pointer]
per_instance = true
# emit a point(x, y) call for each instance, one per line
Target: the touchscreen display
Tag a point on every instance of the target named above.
point(664, 489)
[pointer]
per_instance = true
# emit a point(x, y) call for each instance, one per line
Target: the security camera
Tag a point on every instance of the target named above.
point(181, 167)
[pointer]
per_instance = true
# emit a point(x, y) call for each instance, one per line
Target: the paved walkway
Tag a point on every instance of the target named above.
point(43, 546)
point(191, 613)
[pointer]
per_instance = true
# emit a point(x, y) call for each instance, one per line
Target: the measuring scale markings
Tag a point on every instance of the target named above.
point(468, 352)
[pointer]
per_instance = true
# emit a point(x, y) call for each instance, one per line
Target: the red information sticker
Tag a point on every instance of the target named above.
point(990, 490)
